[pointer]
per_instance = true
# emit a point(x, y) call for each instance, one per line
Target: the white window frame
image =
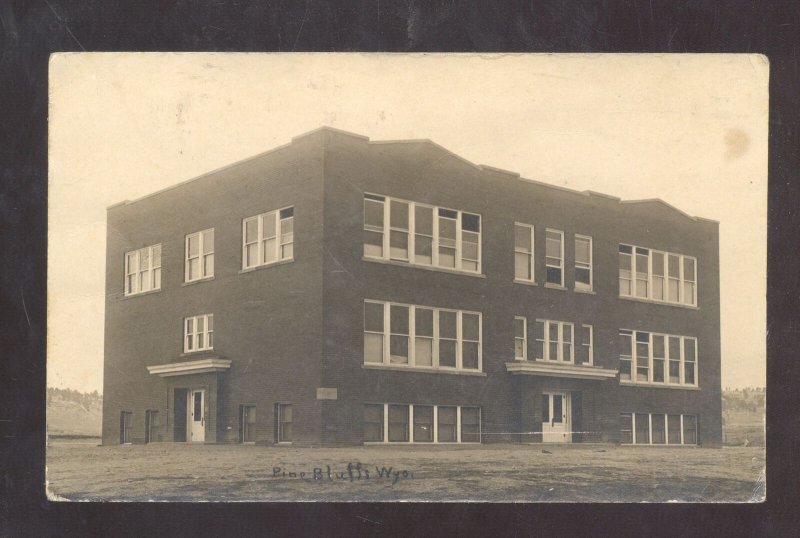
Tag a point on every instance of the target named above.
point(280, 408)
point(581, 265)
point(410, 425)
point(560, 265)
point(193, 334)
point(666, 429)
point(202, 255)
point(530, 254)
point(459, 248)
point(524, 338)
point(589, 347)
point(259, 242)
point(683, 279)
point(151, 275)
point(545, 341)
point(667, 358)
point(412, 338)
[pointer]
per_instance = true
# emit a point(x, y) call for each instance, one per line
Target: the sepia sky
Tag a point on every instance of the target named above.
point(689, 129)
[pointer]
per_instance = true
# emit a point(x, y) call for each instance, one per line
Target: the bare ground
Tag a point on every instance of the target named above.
point(81, 470)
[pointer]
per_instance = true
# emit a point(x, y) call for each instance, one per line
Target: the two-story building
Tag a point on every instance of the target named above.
point(338, 290)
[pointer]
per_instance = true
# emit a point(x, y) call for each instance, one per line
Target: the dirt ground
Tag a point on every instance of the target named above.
point(81, 470)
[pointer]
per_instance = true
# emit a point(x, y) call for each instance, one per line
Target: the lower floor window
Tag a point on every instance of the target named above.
point(404, 423)
point(658, 429)
point(125, 427)
point(283, 418)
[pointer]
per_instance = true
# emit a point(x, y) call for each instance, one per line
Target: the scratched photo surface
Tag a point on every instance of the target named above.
point(407, 277)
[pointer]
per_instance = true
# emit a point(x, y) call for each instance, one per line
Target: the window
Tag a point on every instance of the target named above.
point(199, 262)
point(523, 252)
point(143, 270)
point(404, 423)
point(420, 234)
point(398, 423)
point(554, 257)
point(658, 429)
point(373, 225)
point(470, 341)
point(470, 425)
point(423, 424)
point(587, 344)
point(626, 428)
point(520, 339)
point(398, 341)
point(398, 236)
point(689, 430)
point(642, 350)
point(125, 427)
point(660, 359)
point(373, 423)
point(268, 238)
point(247, 430)
point(283, 417)
point(583, 263)
point(657, 276)
point(421, 337)
point(555, 341)
point(198, 334)
point(373, 332)
point(447, 425)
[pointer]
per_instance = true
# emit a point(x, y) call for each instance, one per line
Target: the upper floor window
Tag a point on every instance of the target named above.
point(583, 263)
point(143, 270)
point(523, 252)
point(555, 341)
point(198, 333)
point(199, 262)
point(421, 234)
point(268, 238)
point(647, 357)
point(657, 276)
point(421, 337)
point(554, 257)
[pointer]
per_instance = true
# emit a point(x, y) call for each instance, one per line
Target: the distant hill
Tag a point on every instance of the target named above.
point(72, 413)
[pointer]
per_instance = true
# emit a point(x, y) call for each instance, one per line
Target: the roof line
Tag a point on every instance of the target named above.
point(204, 174)
point(660, 201)
point(479, 167)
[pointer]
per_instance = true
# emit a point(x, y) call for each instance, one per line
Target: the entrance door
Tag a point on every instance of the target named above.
point(556, 417)
point(196, 416)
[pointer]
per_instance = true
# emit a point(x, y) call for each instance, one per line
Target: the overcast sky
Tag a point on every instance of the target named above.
point(689, 129)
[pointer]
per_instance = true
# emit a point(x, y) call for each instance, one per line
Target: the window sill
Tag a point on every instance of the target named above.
point(265, 266)
point(587, 292)
point(283, 443)
point(422, 370)
point(662, 303)
point(525, 282)
point(550, 286)
point(198, 280)
point(425, 267)
point(658, 385)
point(197, 353)
point(140, 294)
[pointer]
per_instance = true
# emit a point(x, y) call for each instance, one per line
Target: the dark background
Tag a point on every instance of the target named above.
point(31, 29)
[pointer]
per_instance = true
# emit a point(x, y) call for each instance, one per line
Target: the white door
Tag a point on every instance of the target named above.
point(556, 417)
point(196, 416)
